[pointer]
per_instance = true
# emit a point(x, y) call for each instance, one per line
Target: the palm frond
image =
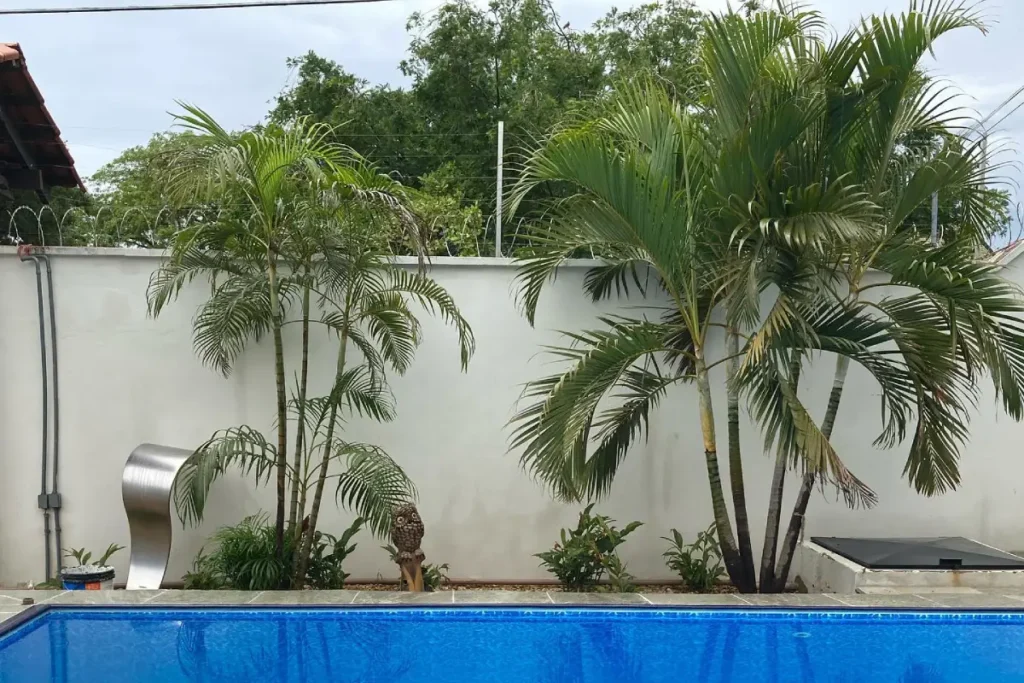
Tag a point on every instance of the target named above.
point(554, 430)
point(241, 447)
point(784, 418)
point(436, 300)
point(371, 484)
point(393, 327)
point(237, 311)
point(618, 428)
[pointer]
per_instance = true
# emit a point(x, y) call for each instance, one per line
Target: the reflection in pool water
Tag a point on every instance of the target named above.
point(510, 646)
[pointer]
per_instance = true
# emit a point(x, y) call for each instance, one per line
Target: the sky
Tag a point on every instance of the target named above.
point(109, 80)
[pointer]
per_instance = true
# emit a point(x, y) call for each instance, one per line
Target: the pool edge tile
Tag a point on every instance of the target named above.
point(203, 598)
point(108, 597)
point(435, 598)
point(696, 600)
point(606, 599)
point(332, 598)
point(512, 598)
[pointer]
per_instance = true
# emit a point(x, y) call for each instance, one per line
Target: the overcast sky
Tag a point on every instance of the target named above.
point(110, 79)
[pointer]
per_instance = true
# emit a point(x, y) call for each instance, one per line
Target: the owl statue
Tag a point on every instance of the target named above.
point(406, 534)
point(406, 528)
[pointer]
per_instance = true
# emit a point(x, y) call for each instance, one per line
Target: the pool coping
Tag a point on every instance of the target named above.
point(14, 612)
point(29, 613)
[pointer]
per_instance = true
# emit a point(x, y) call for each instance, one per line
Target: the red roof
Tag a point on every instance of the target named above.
point(34, 146)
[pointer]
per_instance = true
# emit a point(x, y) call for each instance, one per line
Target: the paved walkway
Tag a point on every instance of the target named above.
point(14, 601)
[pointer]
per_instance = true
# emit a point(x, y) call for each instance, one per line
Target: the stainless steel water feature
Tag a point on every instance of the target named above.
point(146, 487)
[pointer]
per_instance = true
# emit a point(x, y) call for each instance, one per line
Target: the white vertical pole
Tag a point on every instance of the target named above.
point(935, 219)
point(984, 157)
point(501, 173)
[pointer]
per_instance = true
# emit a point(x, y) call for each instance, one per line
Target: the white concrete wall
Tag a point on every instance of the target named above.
point(127, 379)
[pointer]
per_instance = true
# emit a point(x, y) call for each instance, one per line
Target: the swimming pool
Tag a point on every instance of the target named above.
point(505, 645)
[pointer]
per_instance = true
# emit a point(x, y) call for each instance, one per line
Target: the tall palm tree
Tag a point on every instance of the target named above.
point(299, 225)
point(658, 188)
point(743, 191)
point(902, 137)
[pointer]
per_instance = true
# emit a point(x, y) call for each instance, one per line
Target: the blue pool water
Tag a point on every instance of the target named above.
point(511, 646)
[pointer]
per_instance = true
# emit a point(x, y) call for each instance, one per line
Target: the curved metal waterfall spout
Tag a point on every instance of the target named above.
point(146, 487)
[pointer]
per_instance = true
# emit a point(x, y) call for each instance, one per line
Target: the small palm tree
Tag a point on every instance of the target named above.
point(298, 230)
point(255, 175)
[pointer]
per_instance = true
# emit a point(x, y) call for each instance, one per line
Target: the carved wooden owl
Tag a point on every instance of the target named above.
point(406, 528)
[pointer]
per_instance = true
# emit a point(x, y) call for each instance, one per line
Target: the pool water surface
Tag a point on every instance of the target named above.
point(504, 645)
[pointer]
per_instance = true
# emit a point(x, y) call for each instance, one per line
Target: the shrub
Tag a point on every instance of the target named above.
point(584, 553)
point(698, 564)
point(204, 575)
point(246, 559)
point(435, 576)
point(619, 580)
point(327, 556)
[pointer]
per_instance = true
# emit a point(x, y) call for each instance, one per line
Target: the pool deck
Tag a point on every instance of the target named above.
point(13, 602)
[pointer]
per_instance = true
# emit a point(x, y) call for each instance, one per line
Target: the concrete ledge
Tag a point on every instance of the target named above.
point(823, 571)
point(10, 601)
point(434, 261)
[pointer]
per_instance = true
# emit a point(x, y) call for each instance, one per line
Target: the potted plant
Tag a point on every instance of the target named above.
point(89, 576)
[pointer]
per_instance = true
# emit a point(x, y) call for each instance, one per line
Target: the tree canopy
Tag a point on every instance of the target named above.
point(468, 67)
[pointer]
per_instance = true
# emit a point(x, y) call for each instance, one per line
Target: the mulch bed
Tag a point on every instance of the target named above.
point(532, 588)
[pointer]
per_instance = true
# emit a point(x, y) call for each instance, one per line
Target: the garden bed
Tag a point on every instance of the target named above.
point(534, 587)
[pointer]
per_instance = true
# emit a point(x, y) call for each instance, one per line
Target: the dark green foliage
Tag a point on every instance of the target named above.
point(84, 557)
point(204, 575)
point(585, 553)
point(435, 576)
point(245, 559)
point(698, 564)
point(65, 220)
point(619, 580)
point(327, 555)
point(515, 61)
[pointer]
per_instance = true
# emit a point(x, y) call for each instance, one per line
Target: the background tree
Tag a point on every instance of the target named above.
point(658, 38)
point(68, 217)
point(133, 204)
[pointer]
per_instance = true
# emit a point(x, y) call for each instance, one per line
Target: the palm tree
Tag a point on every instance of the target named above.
point(719, 204)
point(903, 139)
point(255, 174)
point(299, 228)
point(657, 189)
point(368, 299)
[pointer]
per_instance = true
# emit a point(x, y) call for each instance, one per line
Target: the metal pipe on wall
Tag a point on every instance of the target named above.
point(53, 498)
point(26, 255)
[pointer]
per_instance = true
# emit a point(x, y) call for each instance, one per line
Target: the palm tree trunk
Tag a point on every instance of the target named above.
point(771, 531)
point(282, 407)
point(723, 525)
point(748, 582)
point(294, 523)
point(314, 511)
point(796, 522)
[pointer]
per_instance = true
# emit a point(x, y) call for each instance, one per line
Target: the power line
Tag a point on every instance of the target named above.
point(180, 7)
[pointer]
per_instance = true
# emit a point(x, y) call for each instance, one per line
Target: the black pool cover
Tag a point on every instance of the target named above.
point(953, 552)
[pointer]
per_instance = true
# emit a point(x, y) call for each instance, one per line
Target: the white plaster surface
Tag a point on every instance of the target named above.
point(126, 379)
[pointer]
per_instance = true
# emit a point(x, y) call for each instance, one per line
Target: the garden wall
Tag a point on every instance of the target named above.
point(127, 379)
